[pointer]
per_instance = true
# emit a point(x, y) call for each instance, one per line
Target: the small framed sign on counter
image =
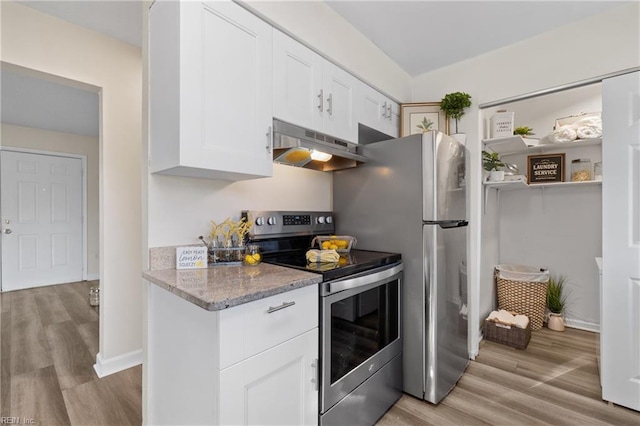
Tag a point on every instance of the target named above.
point(546, 168)
point(191, 257)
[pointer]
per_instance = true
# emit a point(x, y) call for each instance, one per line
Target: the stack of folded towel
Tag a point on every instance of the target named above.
point(589, 127)
point(507, 318)
point(322, 256)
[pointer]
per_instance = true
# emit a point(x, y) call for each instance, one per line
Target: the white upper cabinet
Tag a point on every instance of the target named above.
point(211, 93)
point(297, 75)
point(312, 92)
point(377, 111)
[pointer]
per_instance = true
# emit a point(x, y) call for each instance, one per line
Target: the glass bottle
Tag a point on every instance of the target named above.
point(94, 296)
point(580, 170)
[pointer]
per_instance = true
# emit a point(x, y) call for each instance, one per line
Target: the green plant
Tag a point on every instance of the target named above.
point(556, 295)
point(454, 104)
point(523, 131)
point(425, 125)
point(491, 161)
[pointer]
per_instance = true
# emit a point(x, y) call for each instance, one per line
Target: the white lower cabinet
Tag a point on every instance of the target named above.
point(276, 387)
point(254, 363)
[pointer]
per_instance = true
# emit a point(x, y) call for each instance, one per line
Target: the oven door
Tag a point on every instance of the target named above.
point(361, 330)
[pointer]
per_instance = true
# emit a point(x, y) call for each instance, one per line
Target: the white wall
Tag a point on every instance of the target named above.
point(595, 46)
point(45, 140)
point(180, 209)
point(41, 42)
point(320, 27)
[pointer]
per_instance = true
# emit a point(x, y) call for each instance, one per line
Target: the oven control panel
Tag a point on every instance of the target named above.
point(273, 224)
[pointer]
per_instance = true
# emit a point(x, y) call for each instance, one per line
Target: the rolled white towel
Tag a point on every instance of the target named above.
point(589, 132)
point(563, 134)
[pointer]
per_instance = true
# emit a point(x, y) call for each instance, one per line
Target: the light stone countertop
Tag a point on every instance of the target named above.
point(223, 287)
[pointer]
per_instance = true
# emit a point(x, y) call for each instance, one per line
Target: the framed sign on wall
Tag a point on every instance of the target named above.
point(414, 116)
point(546, 168)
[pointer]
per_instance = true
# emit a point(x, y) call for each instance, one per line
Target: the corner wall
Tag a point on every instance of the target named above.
point(37, 41)
point(596, 46)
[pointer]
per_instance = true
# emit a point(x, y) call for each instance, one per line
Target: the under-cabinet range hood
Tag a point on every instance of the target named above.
point(296, 146)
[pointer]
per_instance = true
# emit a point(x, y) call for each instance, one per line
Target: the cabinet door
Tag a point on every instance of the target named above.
point(211, 90)
point(297, 82)
point(236, 91)
point(275, 387)
point(339, 94)
point(377, 111)
point(370, 107)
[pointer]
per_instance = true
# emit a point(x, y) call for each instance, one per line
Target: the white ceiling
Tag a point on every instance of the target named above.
point(418, 35)
point(422, 36)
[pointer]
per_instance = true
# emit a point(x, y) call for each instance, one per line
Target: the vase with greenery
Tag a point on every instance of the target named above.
point(492, 163)
point(523, 131)
point(556, 302)
point(454, 104)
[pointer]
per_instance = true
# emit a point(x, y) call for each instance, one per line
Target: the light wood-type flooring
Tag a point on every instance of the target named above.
point(49, 341)
point(552, 382)
point(48, 345)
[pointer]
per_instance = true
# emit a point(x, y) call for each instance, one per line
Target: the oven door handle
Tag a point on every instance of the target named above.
point(363, 280)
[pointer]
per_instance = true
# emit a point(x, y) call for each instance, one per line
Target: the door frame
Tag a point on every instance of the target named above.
point(83, 194)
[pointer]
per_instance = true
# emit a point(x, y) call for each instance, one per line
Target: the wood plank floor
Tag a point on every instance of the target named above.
point(49, 341)
point(48, 345)
point(554, 381)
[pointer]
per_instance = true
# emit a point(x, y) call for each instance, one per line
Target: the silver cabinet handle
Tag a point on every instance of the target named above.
point(330, 102)
point(269, 140)
point(284, 305)
point(384, 110)
point(6, 231)
point(314, 375)
point(389, 109)
point(320, 97)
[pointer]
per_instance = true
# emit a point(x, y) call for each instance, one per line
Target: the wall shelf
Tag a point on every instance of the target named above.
point(518, 145)
point(519, 184)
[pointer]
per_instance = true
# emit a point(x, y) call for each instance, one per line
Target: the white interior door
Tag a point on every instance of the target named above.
point(620, 316)
point(41, 210)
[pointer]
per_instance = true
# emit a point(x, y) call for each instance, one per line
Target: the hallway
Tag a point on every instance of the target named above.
point(49, 342)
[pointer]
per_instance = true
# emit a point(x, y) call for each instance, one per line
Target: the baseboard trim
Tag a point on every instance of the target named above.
point(93, 277)
point(106, 367)
point(582, 325)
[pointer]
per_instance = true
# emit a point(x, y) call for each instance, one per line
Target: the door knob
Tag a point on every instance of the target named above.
point(6, 231)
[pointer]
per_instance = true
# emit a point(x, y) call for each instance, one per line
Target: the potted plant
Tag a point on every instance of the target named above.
point(492, 163)
point(556, 302)
point(523, 131)
point(454, 104)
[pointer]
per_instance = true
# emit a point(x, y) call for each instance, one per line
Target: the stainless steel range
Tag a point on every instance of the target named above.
point(360, 316)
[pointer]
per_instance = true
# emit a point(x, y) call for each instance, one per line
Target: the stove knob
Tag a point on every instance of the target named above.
point(320, 219)
point(271, 220)
point(260, 221)
point(329, 219)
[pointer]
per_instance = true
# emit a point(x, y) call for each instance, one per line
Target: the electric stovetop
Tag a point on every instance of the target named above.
point(351, 263)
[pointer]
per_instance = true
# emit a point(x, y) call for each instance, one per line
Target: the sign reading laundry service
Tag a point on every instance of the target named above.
point(546, 168)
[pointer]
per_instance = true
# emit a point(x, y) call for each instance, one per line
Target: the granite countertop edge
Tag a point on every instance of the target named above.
point(219, 303)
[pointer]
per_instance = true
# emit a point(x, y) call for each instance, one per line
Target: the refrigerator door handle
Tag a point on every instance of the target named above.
point(446, 224)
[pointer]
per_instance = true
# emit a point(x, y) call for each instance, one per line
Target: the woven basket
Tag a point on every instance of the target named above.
point(511, 336)
point(524, 297)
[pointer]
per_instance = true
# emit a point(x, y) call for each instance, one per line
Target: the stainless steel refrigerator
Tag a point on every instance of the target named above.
point(411, 198)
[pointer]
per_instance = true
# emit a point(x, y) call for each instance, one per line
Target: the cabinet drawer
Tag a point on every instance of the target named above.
point(249, 329)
